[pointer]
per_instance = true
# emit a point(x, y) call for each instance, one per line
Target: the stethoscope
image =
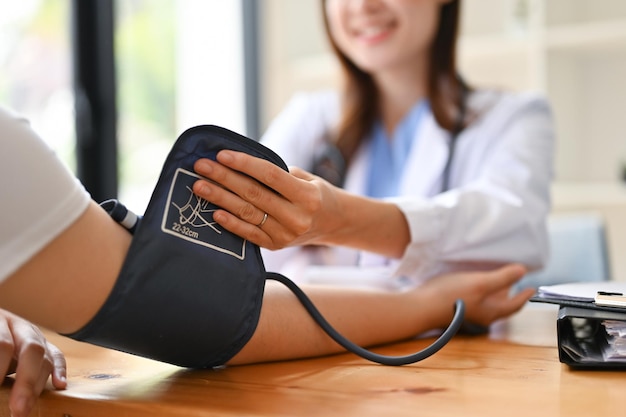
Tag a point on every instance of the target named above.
point(454, 135)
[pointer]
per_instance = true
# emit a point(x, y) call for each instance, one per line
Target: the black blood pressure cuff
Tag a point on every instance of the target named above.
point(189, 292)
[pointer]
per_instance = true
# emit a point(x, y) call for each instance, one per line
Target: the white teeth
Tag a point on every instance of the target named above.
point(372, 31)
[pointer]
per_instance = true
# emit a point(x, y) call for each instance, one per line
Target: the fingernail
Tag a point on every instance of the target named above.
point(201, 187)
point(225, 156)
point(204, 166)
point(219, 217)
point(62, 377)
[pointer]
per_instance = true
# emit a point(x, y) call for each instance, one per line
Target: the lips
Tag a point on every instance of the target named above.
point(373, 33)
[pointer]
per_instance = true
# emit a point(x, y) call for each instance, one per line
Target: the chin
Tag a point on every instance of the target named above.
point(374, 65)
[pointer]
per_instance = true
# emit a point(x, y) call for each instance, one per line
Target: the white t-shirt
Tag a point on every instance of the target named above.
point(40, 197)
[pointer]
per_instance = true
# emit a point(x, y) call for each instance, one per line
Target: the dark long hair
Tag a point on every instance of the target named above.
point(360, 96)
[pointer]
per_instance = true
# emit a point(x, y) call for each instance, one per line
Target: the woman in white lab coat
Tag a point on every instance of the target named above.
point(438, 176)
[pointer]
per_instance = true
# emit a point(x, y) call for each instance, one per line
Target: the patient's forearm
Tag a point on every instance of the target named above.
point(286, 331)
point(64, 286)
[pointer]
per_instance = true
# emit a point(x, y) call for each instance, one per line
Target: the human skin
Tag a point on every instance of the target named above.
point(66, 268)
point(390, 40)
point(25, 352)
point(303, 210)
point(65, 285)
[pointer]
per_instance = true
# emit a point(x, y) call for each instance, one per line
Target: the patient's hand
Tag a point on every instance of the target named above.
point(486, 293)
point(25, 352)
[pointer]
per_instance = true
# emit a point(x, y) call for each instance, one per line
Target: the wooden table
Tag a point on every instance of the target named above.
point(514, 371)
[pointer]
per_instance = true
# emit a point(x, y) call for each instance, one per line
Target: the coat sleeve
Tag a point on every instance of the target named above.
point(497, 215)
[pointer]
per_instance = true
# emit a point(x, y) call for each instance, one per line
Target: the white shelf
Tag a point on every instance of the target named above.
point(485, 46)
point(578, 36)
point(318, 67)
point(588, 195)
point(588, 36)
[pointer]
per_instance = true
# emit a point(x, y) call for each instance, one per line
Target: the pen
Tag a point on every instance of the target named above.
point(619, 294)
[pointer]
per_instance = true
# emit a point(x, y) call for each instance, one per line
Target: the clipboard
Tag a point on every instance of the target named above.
point(610, 299)
point(604, 296)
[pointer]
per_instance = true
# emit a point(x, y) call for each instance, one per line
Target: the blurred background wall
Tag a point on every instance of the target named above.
point(236, 63)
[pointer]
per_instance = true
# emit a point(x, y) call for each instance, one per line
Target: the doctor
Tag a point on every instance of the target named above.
point(436, 176)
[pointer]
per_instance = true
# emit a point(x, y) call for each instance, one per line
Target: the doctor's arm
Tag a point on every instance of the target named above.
point(304, 210)
point(495, 215)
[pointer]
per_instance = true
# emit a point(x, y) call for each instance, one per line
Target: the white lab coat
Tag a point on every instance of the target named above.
point(496, 209)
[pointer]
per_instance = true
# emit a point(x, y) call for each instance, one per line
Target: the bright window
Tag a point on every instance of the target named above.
point(35, 70)
point(179, 64)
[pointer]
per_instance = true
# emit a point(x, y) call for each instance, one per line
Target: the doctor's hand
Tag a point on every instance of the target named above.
point(275, 209)
point(302, 210)
point(25, 352)
point(486, 294)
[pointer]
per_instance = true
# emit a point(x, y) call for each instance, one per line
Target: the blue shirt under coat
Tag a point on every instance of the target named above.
point(388, 156)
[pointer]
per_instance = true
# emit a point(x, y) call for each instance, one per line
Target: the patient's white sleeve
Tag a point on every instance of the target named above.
point(40, 197)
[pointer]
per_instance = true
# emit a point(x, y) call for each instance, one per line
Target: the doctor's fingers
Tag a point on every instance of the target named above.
point(256, 206)
point(305, 192)
point(273, 224)
point(274, 177)
point(302, 174)
point(269, 233)
point(233, 191)
point(279, 225)
point(250, 200)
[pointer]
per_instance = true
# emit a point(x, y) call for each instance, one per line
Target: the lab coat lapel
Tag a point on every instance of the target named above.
point(427, 159)
point(356, 177)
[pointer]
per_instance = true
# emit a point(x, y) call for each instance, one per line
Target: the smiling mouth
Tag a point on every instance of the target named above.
point(372, 34)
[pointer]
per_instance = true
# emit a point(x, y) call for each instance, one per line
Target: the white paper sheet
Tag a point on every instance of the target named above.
point(581, 291)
